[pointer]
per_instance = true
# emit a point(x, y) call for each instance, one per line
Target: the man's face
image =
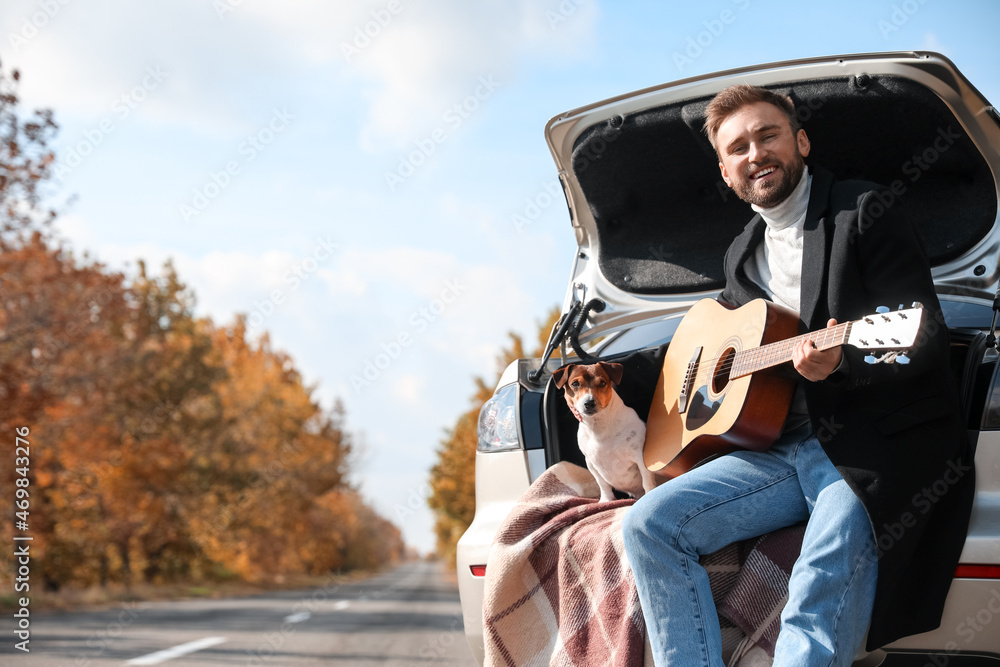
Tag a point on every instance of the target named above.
point(759, 156)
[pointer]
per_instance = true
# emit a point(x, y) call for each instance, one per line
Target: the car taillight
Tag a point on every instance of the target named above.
point(497, 429)
point(478, 570)
point(977, 571)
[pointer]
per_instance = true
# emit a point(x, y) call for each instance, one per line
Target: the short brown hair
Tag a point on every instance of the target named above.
point(732, 99)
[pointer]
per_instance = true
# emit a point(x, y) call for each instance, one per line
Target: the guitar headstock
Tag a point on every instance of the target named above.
point(892, 331)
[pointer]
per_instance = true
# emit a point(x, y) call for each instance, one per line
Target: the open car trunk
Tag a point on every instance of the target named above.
point(653, 216)
point(664, 216)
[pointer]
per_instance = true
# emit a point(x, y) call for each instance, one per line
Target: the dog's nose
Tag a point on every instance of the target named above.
point(589, 405)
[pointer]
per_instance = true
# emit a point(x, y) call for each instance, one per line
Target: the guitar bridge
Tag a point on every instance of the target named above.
point(689, 376)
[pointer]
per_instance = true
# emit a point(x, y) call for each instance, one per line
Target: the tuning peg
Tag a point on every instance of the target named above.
point(870, 359)
point(882, 309)
point(902, 359)
point(917, 304)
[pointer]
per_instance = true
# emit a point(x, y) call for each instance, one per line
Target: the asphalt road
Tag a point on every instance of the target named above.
point(409, 616)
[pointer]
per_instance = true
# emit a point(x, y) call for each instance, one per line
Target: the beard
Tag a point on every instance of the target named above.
point(773, 193)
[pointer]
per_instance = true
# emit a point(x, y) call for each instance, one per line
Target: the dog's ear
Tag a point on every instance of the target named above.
point(613, 370)
point(561, 375)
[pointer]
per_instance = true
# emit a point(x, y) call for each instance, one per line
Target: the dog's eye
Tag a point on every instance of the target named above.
point(603, 383)
point(575, 384)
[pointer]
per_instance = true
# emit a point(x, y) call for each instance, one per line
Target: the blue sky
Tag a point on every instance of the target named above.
point(354, 193)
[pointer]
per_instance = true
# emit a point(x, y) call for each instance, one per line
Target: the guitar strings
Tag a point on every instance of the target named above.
point(770, 354)
point(778, 350)
point(707, 367)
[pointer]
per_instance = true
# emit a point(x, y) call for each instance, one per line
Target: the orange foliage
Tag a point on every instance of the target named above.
point(163, 447)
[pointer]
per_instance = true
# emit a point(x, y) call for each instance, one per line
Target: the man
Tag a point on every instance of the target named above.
point(862, 445)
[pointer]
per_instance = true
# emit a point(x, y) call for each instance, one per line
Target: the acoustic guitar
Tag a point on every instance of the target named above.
point(720, 388)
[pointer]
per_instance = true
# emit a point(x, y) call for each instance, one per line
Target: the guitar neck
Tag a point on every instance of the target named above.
point(756, 359)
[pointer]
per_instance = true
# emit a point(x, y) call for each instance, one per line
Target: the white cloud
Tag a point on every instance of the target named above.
point(416, 268)
point(225, 282)
point(435, 56)
point(411, 68)
point(410, 389)
point(90, 55)
point(444, 305)
point(415, 64)
point(344, 282)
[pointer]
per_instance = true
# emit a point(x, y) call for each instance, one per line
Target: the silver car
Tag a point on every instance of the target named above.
point(653, 218)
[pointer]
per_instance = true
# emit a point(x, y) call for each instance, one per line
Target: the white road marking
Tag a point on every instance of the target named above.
point(298, 618)
point(176, 651)
point(343, 604)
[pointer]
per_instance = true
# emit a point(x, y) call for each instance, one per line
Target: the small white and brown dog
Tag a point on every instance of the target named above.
point(610, 435)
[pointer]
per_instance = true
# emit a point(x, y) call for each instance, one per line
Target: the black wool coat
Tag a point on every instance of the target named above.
point(893, 431)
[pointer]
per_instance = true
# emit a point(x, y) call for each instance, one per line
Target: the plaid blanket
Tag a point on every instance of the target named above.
point(559, 591)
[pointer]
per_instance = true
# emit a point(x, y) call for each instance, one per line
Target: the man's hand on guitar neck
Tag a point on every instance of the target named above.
point(813, 364)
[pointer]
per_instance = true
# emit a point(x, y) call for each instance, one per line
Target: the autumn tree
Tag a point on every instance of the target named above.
point(163, 447)
point(265, 478)
point(453, 478)
point(25, 166)
point(57, 322)
point(163, 410)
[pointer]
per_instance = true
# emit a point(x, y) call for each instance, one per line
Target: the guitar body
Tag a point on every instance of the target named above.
point(699, 411)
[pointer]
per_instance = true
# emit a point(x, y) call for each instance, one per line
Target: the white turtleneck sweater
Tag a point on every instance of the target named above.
point(776, 265)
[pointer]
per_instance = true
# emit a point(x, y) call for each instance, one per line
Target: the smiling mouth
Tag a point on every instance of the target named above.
point(761, 173)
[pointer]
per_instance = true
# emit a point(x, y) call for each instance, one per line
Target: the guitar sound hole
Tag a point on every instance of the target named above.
point(720, 378)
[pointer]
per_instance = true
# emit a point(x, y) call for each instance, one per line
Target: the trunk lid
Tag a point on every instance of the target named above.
point(653, 217)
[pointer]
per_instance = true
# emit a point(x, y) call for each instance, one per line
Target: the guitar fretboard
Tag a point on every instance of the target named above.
point(756, 359)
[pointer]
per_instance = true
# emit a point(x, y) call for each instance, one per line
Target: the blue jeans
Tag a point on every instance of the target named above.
point(744, 495)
